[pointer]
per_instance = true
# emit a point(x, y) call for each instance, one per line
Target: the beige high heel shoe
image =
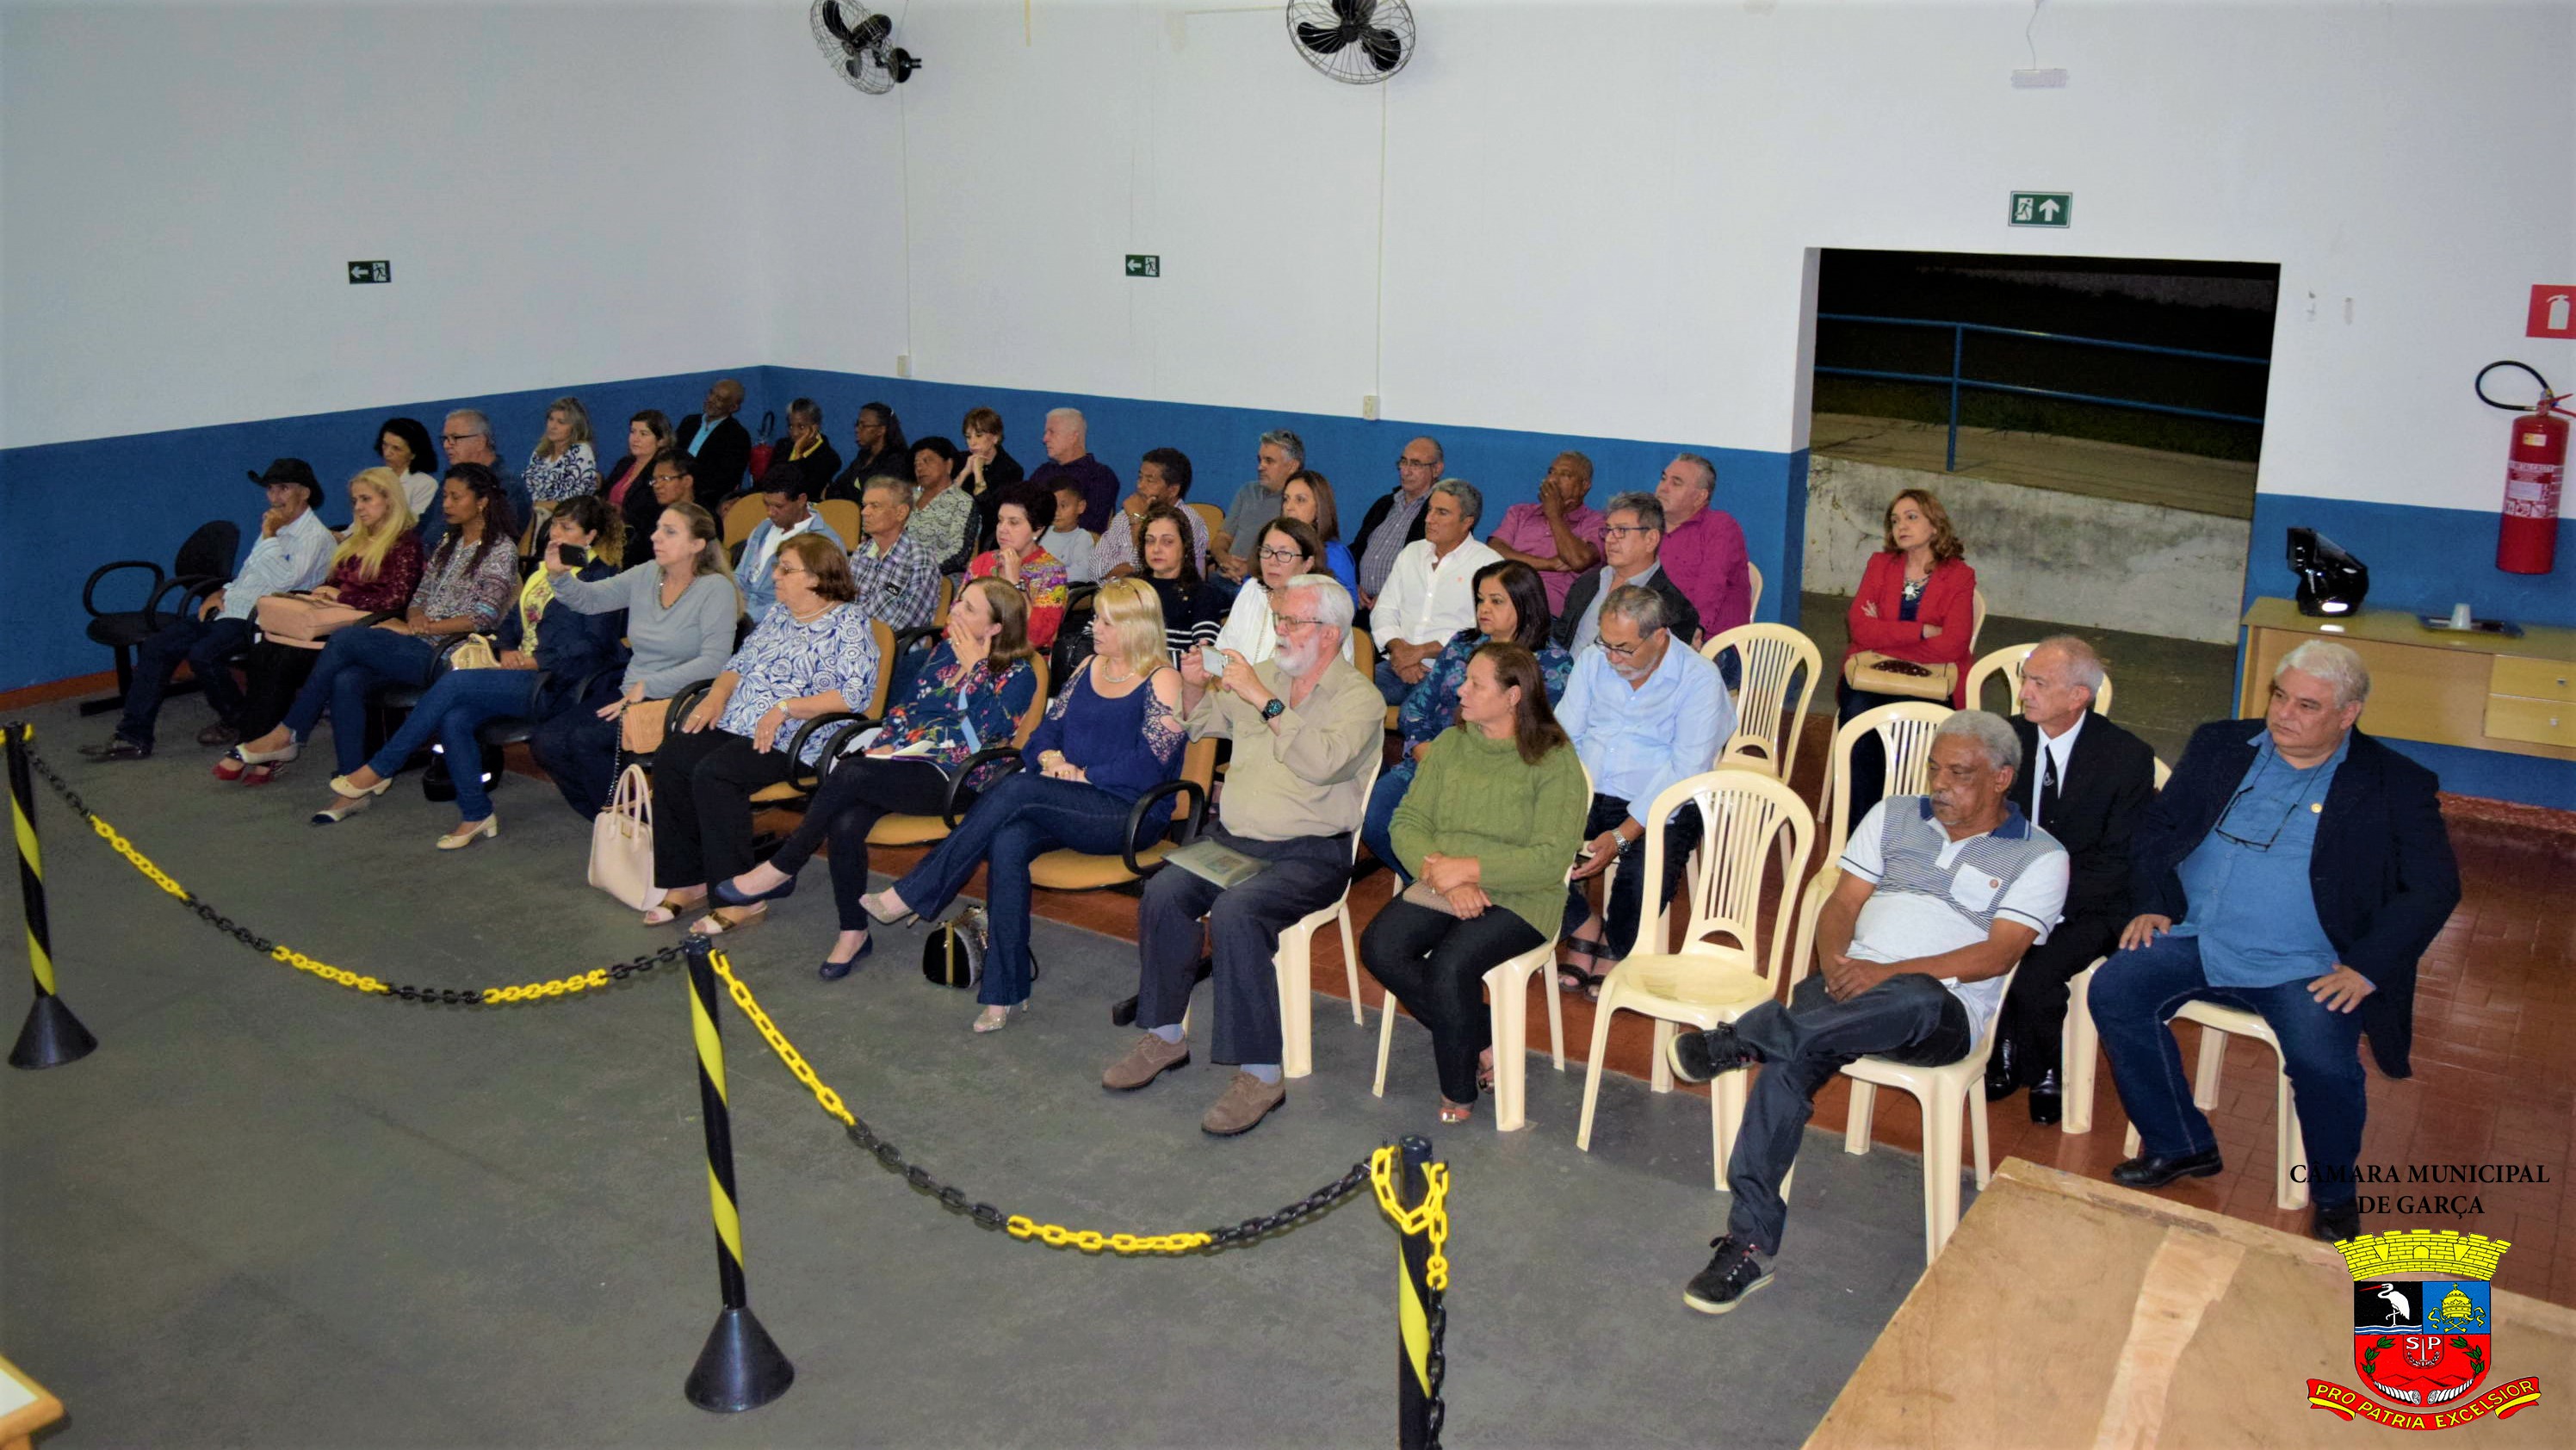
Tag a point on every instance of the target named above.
point(470, 832)
point(351, 800)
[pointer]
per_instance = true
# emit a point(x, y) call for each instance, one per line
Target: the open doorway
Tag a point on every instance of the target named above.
point(2093, 427)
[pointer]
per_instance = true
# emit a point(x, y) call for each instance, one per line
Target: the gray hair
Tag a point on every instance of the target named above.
point(888, 483)
point(1286, 442)
point(477, 422)
point(1440, 455)
point(1703, 465)
point(1471, 501)
point(1080, 423)
point(1638, 605)
point(1333, 607)
point(2336, 664)
point(1648, 509)
point(1992, 733)
point(2083, 665)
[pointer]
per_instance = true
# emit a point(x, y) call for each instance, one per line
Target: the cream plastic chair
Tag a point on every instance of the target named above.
point(1753, 577)
point(1507, 1000)
point(2079, 1046)
point(1773, 656)
point(1295, 961)
point(1977, 621)
point(2007, 662)
point(1720, 973)
point(1905, 732)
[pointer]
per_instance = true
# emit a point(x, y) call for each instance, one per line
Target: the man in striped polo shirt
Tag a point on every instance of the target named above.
point(1940, 895)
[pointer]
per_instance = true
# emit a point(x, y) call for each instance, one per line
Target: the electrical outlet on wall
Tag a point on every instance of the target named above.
point(1368, 406)
point(903, 364)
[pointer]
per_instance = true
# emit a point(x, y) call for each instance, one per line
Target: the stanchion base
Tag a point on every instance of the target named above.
point(52, 1036)
point(741, 1368)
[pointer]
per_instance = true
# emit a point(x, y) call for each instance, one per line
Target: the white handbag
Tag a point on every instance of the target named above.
point(621, 842)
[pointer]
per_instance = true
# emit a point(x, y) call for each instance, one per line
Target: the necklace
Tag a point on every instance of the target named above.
point(1113, 675)
point(810, 618)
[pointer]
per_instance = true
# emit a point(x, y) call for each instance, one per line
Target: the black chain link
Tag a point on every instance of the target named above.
point(1439, 1409)
point(394, 991)
point(985, 1215)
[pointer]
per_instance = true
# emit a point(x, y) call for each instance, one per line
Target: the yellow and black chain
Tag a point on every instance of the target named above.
point(1020, 1226)
point(1431, 1216)
point(288, 956)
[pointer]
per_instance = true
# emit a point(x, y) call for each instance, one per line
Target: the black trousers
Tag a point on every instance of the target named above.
point(276, 672)
point(1628, 874)
point(1435, 964)
point(2033, 1019)
point(859, 792)
point(702, 785)
point(1243, 925)
point(578, 752)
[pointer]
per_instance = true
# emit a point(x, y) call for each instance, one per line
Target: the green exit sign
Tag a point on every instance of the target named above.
point(1141, 265)
point(2043, 208)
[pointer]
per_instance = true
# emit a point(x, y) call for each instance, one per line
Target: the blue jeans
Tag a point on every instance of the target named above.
point(2136, 993)
point(1390, 686)
point(203, 644)
point(1020, 818)
point(452, 711)
point(1377, 827)
point(354, 663)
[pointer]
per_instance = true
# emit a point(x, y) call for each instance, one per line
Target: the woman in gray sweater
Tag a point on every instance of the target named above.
point(680, 615)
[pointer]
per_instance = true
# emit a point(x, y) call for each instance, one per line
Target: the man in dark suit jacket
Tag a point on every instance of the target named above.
point(2297, 868)
point(2086, 782)
point(720, 444)
point(1632, 533)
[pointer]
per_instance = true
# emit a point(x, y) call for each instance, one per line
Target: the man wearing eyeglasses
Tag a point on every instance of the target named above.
point(1631, 543)
point(1431, 594)
point(466, 437)
point(2296, 868)
point(1396, 520)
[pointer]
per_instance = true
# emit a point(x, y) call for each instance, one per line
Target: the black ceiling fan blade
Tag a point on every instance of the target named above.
point(1385, 48)
point(1354, 13)
point(1323, 40)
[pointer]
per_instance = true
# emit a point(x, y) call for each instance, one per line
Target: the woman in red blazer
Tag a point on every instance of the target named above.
point(1917, 601)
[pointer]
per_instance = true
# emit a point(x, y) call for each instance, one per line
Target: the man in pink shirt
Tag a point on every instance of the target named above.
point(1557, 535)
point(1703, 550)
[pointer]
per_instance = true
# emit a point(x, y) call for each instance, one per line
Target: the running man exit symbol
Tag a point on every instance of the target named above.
point(1142, 265)
point(370, 272)
point(2043, 208)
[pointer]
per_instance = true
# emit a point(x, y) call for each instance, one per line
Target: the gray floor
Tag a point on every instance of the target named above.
point(272, 1212)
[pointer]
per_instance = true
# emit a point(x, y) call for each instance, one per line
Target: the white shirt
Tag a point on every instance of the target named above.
point(1247, 628)
point(1900, 926)
point(1427, 599)
point(766, 539)
point(2062, 750)
point(420, 490)
point(1072, 549)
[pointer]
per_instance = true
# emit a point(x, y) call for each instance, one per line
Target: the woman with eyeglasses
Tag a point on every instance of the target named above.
point(1017, 559)
point(988, 470)
point(1286, 549)
point(813, 654)
point(1487, 827)
point(1190, 609)
point(1111, 736)
point(969, 696)
point(881, 449)
point(1916, 602)
point(1511, 608)
point(943, 512)
point(628, 483)
point(1307, 497)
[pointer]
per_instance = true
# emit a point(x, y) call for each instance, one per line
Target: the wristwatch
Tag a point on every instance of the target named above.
point(1272, 711)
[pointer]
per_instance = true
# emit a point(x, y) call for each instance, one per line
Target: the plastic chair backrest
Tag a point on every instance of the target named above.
point(742, 516)
point(1742, 816)
point(842, 517)
point(947, 596)
point(208, 553)
point(883, 633)
point(2164, 773)
point(1905, 729)
point(1802, 957)
point(1977, 621)
point(1753, 576)
point(1037, 709)
point(1213, 517)
point(1364, 654)
point(1773, 656)
point(2008, 663)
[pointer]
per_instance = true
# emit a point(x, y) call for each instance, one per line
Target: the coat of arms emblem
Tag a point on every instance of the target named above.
point(2423, 1332)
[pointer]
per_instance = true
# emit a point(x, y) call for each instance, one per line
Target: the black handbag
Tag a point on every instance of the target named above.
point(953, 954)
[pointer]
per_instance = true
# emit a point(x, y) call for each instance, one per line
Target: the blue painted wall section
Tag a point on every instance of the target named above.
point(2425, 560)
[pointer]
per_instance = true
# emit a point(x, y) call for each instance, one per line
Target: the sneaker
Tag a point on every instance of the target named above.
point(1246, 1102)
point(117, 747)
point(1699, 1056)
point(1149, 1059)
point(1734, 1272)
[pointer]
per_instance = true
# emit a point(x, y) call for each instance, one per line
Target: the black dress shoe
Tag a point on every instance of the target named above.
point(2340, 1222)
point(2047, 1099)
point(2148, 1171)
point(2001, 1078)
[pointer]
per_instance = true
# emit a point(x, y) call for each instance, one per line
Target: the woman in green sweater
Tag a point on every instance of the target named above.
point(1487, 831)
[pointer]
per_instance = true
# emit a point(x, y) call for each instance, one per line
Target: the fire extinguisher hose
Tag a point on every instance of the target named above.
point(2548, 399)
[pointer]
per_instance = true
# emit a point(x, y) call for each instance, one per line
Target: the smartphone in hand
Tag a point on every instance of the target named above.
point(569, 554)
point(1212, 660)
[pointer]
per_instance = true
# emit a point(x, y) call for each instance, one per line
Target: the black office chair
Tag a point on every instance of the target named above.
point(204, 565)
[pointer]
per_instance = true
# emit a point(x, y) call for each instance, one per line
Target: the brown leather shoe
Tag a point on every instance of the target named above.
point(1149, 1059)
point(219, 733)
point(1246, 1102)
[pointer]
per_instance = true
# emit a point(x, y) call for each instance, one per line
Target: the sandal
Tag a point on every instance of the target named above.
point(1571, 978)
point(1456, 1112)
point(669, 909)
point(727, 919)
point(264, 772)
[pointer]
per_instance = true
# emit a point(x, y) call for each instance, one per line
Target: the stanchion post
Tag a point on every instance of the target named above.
point(52, 1036)
point(741, 1367)
point(1415, 1427)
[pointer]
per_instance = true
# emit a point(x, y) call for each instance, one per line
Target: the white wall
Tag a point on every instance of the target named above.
point(183, 183)
point(1597, 216)
point(1586, 218)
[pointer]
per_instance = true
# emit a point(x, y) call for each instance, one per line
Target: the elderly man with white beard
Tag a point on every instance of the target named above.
point(1306, 726)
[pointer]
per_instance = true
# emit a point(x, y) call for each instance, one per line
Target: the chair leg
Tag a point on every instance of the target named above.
point(2081, 1052)
point(1726, 1113)
point(1350, 960)
point(2289, 1147)
point(1601, 1014)
point(1977, 1135)
point(1293, 963)
point(1662, 1079)
point(1510, 1023)
point(2213, 1058)
point(1385, 1041)
point(1864, 1099)
point(1555, 1003)
point(1941, 1171)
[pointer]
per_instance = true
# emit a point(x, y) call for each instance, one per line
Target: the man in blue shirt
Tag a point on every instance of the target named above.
point(1644, 711)
point(293, 552)
point(2296, 868)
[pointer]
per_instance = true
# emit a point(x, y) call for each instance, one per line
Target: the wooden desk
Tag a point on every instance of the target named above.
point(25, 1407)
point(2475, 690)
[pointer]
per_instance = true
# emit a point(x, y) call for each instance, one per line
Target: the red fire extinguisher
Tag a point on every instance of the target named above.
point(2535, 469)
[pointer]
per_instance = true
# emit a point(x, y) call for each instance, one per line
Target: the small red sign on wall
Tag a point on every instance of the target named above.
point(2553, 311)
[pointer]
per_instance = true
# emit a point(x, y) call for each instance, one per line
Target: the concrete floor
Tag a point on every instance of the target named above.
point(271, 1211)
point(2041, 460)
